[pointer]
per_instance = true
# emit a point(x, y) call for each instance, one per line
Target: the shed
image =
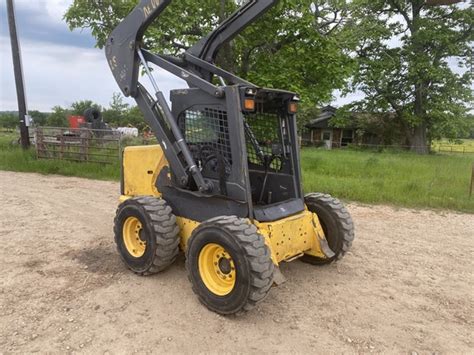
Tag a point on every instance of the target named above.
point(320, 131)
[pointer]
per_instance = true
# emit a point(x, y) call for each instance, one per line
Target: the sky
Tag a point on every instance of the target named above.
point(59, 66)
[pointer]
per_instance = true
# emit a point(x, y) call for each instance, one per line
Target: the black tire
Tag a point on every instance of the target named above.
point(159, 231)
point(249, 254)
point(92, 115)
point(336, 223)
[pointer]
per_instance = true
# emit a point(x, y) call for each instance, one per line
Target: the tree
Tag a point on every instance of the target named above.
point(404, 49)
point(117, 104)
point(117, 111)
point(134, 118)
point(78, 107)
point(296, 46)
point(9, 120)
point(58, 118)
point(39, 118)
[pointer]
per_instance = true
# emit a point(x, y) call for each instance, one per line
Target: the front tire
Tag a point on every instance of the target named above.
point(229, 265)
point(146, 234)
point(336, 223)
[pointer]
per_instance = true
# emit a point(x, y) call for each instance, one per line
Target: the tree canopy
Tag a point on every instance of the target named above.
point(405, 54)
point(400, 54)
point(295, 46)
point(118, 114)
point(9, 120)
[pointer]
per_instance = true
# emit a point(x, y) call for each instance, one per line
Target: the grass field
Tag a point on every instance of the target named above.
point(446, 146)
point(403, 179)
point(13, 158)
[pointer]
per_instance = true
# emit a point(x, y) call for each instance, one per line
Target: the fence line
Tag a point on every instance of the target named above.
point(105, 146)
point(6, 130)
point(78, 144)
point(440, 148)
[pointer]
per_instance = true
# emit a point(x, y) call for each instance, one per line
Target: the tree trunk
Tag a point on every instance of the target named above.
point(418, 137)
point(418, 140)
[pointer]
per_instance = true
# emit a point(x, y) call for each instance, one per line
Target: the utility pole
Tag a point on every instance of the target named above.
point(20, 87)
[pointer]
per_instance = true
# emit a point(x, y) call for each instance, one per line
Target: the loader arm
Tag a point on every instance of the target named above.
point(125, 39)
point(125, 55)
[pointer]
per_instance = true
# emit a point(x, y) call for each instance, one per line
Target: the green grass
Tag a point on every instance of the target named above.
point(13, 158)
point(458, 146)
point(397, 178)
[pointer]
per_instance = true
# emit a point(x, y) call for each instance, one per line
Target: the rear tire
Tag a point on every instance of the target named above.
point(146, 234)
point(336, 223)
point(229, 265)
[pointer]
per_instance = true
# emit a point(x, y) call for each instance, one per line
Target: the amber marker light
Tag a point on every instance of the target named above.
point(293, 107)
point(249, 104)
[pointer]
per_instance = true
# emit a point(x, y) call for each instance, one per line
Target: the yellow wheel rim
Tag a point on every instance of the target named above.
point(217, 269)
point(131, 237)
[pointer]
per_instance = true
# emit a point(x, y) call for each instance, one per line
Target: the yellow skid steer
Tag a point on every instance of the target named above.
point(223, 183)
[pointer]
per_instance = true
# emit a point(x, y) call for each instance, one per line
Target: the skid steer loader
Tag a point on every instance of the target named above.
point(224, 182)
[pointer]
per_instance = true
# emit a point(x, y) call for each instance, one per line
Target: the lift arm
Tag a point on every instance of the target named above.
point(125, 55)
point(125, 39)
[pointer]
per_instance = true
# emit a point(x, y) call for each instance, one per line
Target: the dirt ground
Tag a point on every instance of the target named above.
point(406, 286)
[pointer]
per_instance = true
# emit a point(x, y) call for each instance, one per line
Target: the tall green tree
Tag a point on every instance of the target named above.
point(58, 117)
point(116, 114)
point(405, 51)
point(77, 108)
point(8, 120)
point(39, 118)
point(134, 118)
point(296, 46)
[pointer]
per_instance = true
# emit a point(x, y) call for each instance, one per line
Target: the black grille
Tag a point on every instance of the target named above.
point(208, 130)
point(268, 129)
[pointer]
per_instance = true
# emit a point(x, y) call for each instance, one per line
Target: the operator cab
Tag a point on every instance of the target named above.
point(264, 136)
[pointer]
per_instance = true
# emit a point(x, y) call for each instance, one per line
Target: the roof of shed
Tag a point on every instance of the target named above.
point(322, 121)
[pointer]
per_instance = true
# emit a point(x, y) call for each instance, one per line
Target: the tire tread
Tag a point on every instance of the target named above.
point(257, 253)
point(343, 220)
point(166, 231)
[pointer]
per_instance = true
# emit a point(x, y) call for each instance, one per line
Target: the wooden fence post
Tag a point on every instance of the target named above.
point(84, 145)
point(90, 135)
point(61, 148)
point(39, 142)
point(82, 141)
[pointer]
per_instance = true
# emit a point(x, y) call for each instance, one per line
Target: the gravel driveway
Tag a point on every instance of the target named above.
point(406, 286)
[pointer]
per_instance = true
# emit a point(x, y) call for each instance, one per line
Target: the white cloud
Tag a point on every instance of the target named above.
point(59, 75)
point(57, 8)
point(53, 10)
